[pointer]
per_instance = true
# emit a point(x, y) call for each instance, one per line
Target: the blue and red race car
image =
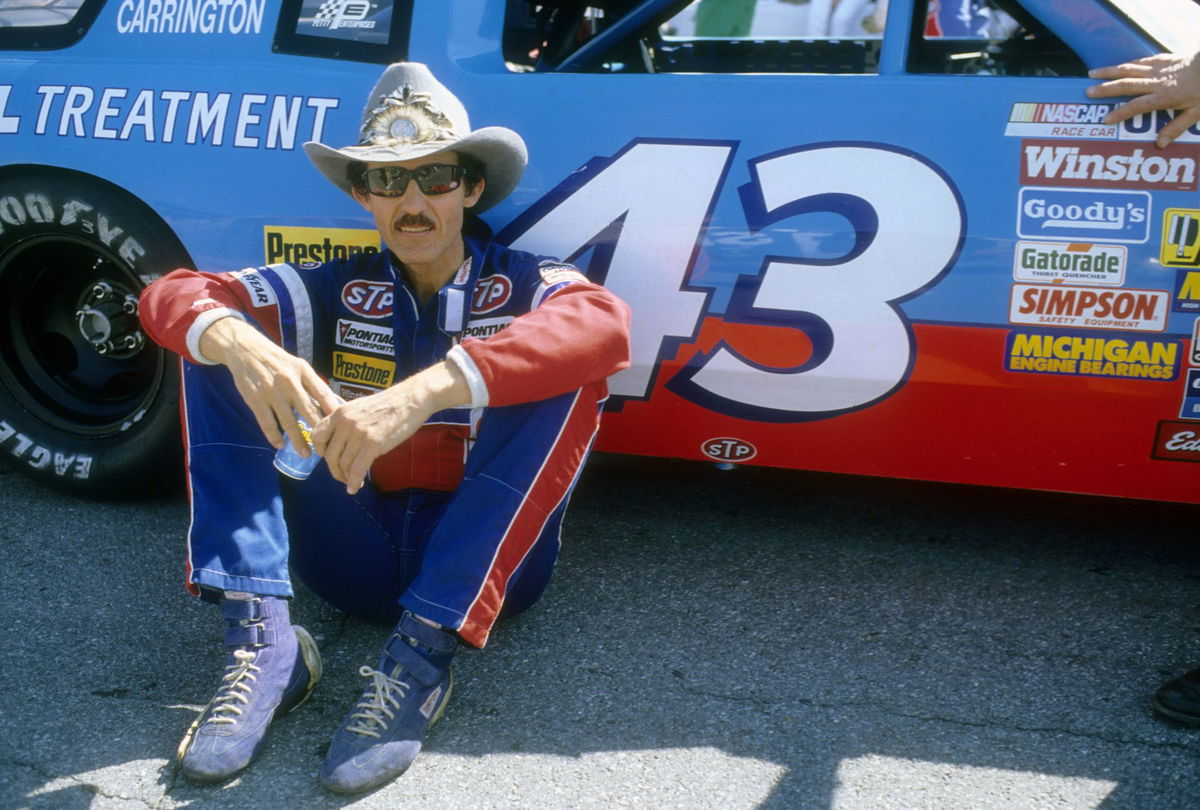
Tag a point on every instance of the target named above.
point(898, 244)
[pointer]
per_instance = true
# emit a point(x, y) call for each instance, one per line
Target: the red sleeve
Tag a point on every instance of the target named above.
point(177, 308)
point(579, 335)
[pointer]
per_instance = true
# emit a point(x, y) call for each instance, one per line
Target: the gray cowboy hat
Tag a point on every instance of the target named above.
point(410, 114)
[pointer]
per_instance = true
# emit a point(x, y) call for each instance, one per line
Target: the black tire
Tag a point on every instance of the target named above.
point(88, 404)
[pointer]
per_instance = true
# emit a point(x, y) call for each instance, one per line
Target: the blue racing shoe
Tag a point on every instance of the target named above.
point(382, 734)
point(271, 668)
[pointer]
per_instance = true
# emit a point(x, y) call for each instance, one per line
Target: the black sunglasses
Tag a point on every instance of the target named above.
point(432, 179)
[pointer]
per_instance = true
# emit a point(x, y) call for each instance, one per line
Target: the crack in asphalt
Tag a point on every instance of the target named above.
point(766, 703)
point(91, 787)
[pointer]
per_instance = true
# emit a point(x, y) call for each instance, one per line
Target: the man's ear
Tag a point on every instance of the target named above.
point(475, 193)
point(360, 197)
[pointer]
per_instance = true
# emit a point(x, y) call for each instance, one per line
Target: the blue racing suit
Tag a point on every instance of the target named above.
point(460, 521)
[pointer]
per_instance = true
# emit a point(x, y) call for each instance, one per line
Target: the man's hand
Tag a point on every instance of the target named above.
point(1163, 82)
point(271, 381)
point(362, 430)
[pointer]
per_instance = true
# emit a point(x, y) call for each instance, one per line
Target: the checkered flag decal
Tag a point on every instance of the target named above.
point(328, 10)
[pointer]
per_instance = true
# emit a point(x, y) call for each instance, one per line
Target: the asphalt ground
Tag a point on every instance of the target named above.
point(745, 639)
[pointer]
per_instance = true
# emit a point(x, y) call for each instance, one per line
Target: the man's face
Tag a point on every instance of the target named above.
point(423, 231)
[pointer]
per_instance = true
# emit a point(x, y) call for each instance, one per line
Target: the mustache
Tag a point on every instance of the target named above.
point(413, 221)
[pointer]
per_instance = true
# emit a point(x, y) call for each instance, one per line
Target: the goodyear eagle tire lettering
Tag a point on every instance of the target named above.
point(87, 403)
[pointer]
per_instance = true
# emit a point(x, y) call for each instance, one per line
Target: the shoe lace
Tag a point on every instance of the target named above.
point(235, 688)
point(383, 695)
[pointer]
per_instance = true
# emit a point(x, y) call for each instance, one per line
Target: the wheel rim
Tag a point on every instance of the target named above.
point(73, 353)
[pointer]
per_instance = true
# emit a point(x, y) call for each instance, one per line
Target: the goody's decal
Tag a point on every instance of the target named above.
point(1135, 358)
point(1105, 216)
point(1091, 308)
point(1177, 441)
point(1180, 238)
point(367, 337)
point(490, 294)
point(1101, 164)
point(284, 243)
point(1070, 263)
point(1187, 291)
point(359, 368)
point(1191, 396)
point(370, 299)
point(1194, 355)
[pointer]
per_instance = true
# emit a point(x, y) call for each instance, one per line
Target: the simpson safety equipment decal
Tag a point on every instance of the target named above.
point(1056, 305)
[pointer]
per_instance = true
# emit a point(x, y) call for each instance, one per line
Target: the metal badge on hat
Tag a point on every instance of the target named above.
point(405, 116)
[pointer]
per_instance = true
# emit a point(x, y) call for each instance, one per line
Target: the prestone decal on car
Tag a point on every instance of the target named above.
point(1056, 305)
point(1104, 216)
point(1070, 263)
point(1181, 238)
point(1109, 165)
point(284, 243)
point(1092, 356)
point(246, 120)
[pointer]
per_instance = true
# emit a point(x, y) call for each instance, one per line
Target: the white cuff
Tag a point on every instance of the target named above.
point(204, 320)
point(479, 392)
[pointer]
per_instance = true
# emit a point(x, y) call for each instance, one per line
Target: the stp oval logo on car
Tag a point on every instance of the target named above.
point(727, 449)
point(491, 293)
point(370, 299)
